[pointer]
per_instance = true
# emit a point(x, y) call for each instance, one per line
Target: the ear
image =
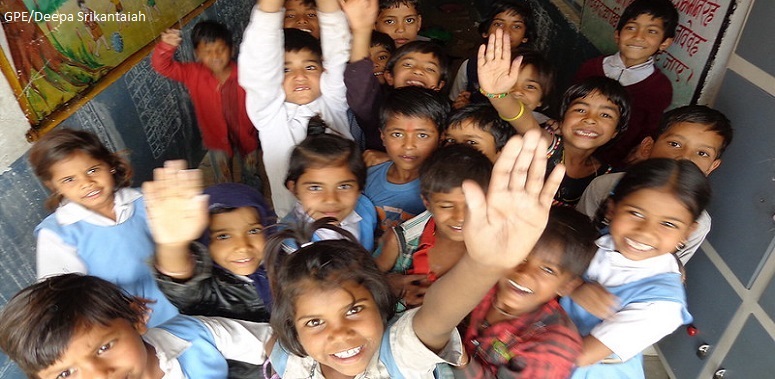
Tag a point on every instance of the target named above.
point(713, 166)
point(291, 186)
point(419, 21)
point(569, 286)
point(665, 44)
point(609, 209)
point(425, 202)
point(616, 37)
point(645, 148)
point(440, 86)
point(388, 77)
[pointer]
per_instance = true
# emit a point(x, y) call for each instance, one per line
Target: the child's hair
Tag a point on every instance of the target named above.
point(571, 233)
point(422, 47)
point(661, 9)
point(449, 166)
point(326, 265)
point(60, 144)
point(681, 177)
point(226, 197)
point(544, 69)
point(607, 87)
point(211, 31)
point(297, 40)
point(39, 322)
point(384, 40)
point(486, 118)
point(386, 4)
point(417, 102)
point(714, 120)
point(326, 150)
point(521, 8)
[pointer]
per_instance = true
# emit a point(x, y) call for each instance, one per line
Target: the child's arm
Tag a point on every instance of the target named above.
point(163, 57)
point(595, 299)
point(361, 14)
point(240, 340)
point(335, 41)
point(499, 232)
point(177, 215)
point(497, 75)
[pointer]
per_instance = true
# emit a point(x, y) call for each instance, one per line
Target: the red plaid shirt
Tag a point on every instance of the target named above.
point(542, 344)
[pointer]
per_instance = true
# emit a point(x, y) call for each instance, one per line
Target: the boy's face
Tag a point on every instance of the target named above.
point(511, 23)
point(692, 141)
point(214, 55)
point(85, 181)
point(590, 122)
point(302, 17)
point(379, 55)
point(327, 191)
point(401, 23)
point(409, 141)
point(537, 280)
point(449, 210)
point(302, 77)
point(101, 351)
point(467, 132)
point(416, 69)
point(640, 38)
point(237, 241)
point(528, 88)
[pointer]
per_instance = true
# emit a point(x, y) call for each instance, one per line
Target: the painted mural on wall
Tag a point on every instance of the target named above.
point(700, 28)
point(58, 49)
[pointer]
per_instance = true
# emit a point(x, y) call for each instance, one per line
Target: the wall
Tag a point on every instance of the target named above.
point(141, 113)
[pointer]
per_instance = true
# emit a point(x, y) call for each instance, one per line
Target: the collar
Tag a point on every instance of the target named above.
point(308, 368)
point(168, 348)
point(350, 223)
point(69, 212)
point(614, 68)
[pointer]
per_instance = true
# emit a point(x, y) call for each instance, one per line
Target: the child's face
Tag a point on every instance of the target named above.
point(537, 280)
point(85, 181)
point(640, 38)
point(590, 122)
point(327, 191)
point(237, 241)
point(341, 328)
point(101, 351)
point(302, 17)
point(511, 23)
point(302, 77)
point(528, 88)
point(692, 141)
point(469, 133)
point(401, 23)
point(449, 210)
point(409, 141)
point(379, 55)
point(416, 69)
point(648, 223)
point(214, 55)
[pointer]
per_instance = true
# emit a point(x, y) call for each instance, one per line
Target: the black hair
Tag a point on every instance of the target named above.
point(415, 102)
point(38, 323)
point(571, 234)
point(712, 119)
point(421, 47)
point(607, 87)
point(486, 118)
point(297, 40)
point(326, 150)
point(381, 39)
point(518, 7)
point(327, 265)
point(386, 4)
point(661, 9)
point(449, 166)
point(544, 69)
point(210, 31)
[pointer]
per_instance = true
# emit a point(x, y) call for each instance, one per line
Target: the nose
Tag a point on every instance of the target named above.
point(459, 214)
point(96, 369)
point(302, 20)
point(409, 142)
point(331, 196)
point(340, 331)
point(400, 27)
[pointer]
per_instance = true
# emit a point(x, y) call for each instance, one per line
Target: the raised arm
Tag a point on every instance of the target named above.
point(361, 14)
point(500, 230)
point(270, 6)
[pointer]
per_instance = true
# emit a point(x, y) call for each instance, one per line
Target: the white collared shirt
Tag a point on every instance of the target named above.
point(614, 68)
point(351, 223)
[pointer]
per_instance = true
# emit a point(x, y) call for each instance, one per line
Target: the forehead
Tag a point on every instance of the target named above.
point(509, 15)
point(404, 122)
point(659, 202)
point(76, 158)
point(239, 215)
point(468, 127)
point(214, 45)
point(316, 298)
point(378, 49)
point(335, 174)
point(400, 10)
point(645, 19)
point(425, 58)
point(528, 72)
point(301, 56)
point(454, 195)
point(695, 132)
point(596, 99)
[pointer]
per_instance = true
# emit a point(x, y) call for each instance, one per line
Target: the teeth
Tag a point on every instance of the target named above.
point(93, 193)
point(306, 30)
point(638, 246)
point(415, 83)
point(348, 353)
point(586, 133)
point(300, 89)
point(244, 260)
point(519, 287)
point(457, 227)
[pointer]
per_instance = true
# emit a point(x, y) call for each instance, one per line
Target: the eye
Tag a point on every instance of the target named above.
point(314, 188)
point(629, 27)
point(606, 115)
point(449, 141)
point(653, 31)
point(579, 110)
point(406, 65)
point(255, 231)
point(472, 142)
point(669, 225)
point(92, 170)
point(431, 69)
point(388, 22)
point(312, 15)
point(311, 67)
point(497, 24)
point(397, 134)
point(516, 26)
point(346, 187)
point(102, 349)
point(355, 310)
point(286, 70)
point(423, 135)
point(383, 57)
point(65, 374)
point(531, 87)
point(290, 16)
point(548, 270)
point(636, 214)
point(410, 20)
point(703, 154)
point(222, 236)
point(313, 323)
point(66, 180)
point(673, 144)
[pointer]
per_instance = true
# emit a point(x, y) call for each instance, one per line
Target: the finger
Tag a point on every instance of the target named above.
point(516, 66)
point(476, 212)
point(501, 171)
point(537, 170)
point(525, 160)
point(506, 54)
point(551, 185)
point(498, 53)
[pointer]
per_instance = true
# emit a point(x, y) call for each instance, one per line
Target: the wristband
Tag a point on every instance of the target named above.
point(521, 111)
point(493, 95)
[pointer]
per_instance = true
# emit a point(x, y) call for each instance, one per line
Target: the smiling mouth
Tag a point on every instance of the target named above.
point(93, 193)
point(415, 83)
point(519, 287)
point(243, 260)
point(348, 353)
point(307, 30)
point(638, 246)
point(298, 89)
point(586, 133)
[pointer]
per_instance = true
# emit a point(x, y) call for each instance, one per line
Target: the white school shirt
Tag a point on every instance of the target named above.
point(614, 68)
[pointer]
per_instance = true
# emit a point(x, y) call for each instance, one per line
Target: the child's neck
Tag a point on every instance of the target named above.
point(107, 210)
point(152, 369)
point(330, 373)
point(579, 163)
point(223, 75)
point(444, 254)
point(396, 175)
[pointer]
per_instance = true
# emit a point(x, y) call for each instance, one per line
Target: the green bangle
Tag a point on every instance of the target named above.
point(493, 95)
point(521, 111)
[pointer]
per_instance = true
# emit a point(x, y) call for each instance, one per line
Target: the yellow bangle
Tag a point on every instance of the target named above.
point(493, 95)
point(521, 111)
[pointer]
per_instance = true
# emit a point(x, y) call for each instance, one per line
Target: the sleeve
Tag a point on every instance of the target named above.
point(335, 41)
point(595, 193)
point(638, 326)
point(192, 292)
point(163, 61)
point(239, 340)
point(586, 70)
point(461, 81)
point(412, 356)
point(362, 88)
point(55, 257)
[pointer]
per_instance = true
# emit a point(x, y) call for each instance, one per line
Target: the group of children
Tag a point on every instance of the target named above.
point(394, 238)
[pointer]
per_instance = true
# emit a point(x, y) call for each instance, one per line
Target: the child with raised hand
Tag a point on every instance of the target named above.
point(651, 213)
point(479, 126)
point(99, 225)
point(327, 174)
point(332, 305)
point(219, 101)
point(400, 19)
point(81, 326)
point(592, 112)
point(302, 15)
point(693, 132)
point(519, 330)
point(289, 78)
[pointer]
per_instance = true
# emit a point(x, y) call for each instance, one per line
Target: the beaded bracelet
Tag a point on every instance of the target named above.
point(521, 111)
point(493, 95)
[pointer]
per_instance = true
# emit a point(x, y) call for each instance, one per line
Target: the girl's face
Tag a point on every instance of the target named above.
point(84, 180)
point(590, 122)
point(341, 328)
point(237, 241)
point(648, 223)
point(327, 191)
point(528, 89)
point(511, 23)
point(380, 56)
